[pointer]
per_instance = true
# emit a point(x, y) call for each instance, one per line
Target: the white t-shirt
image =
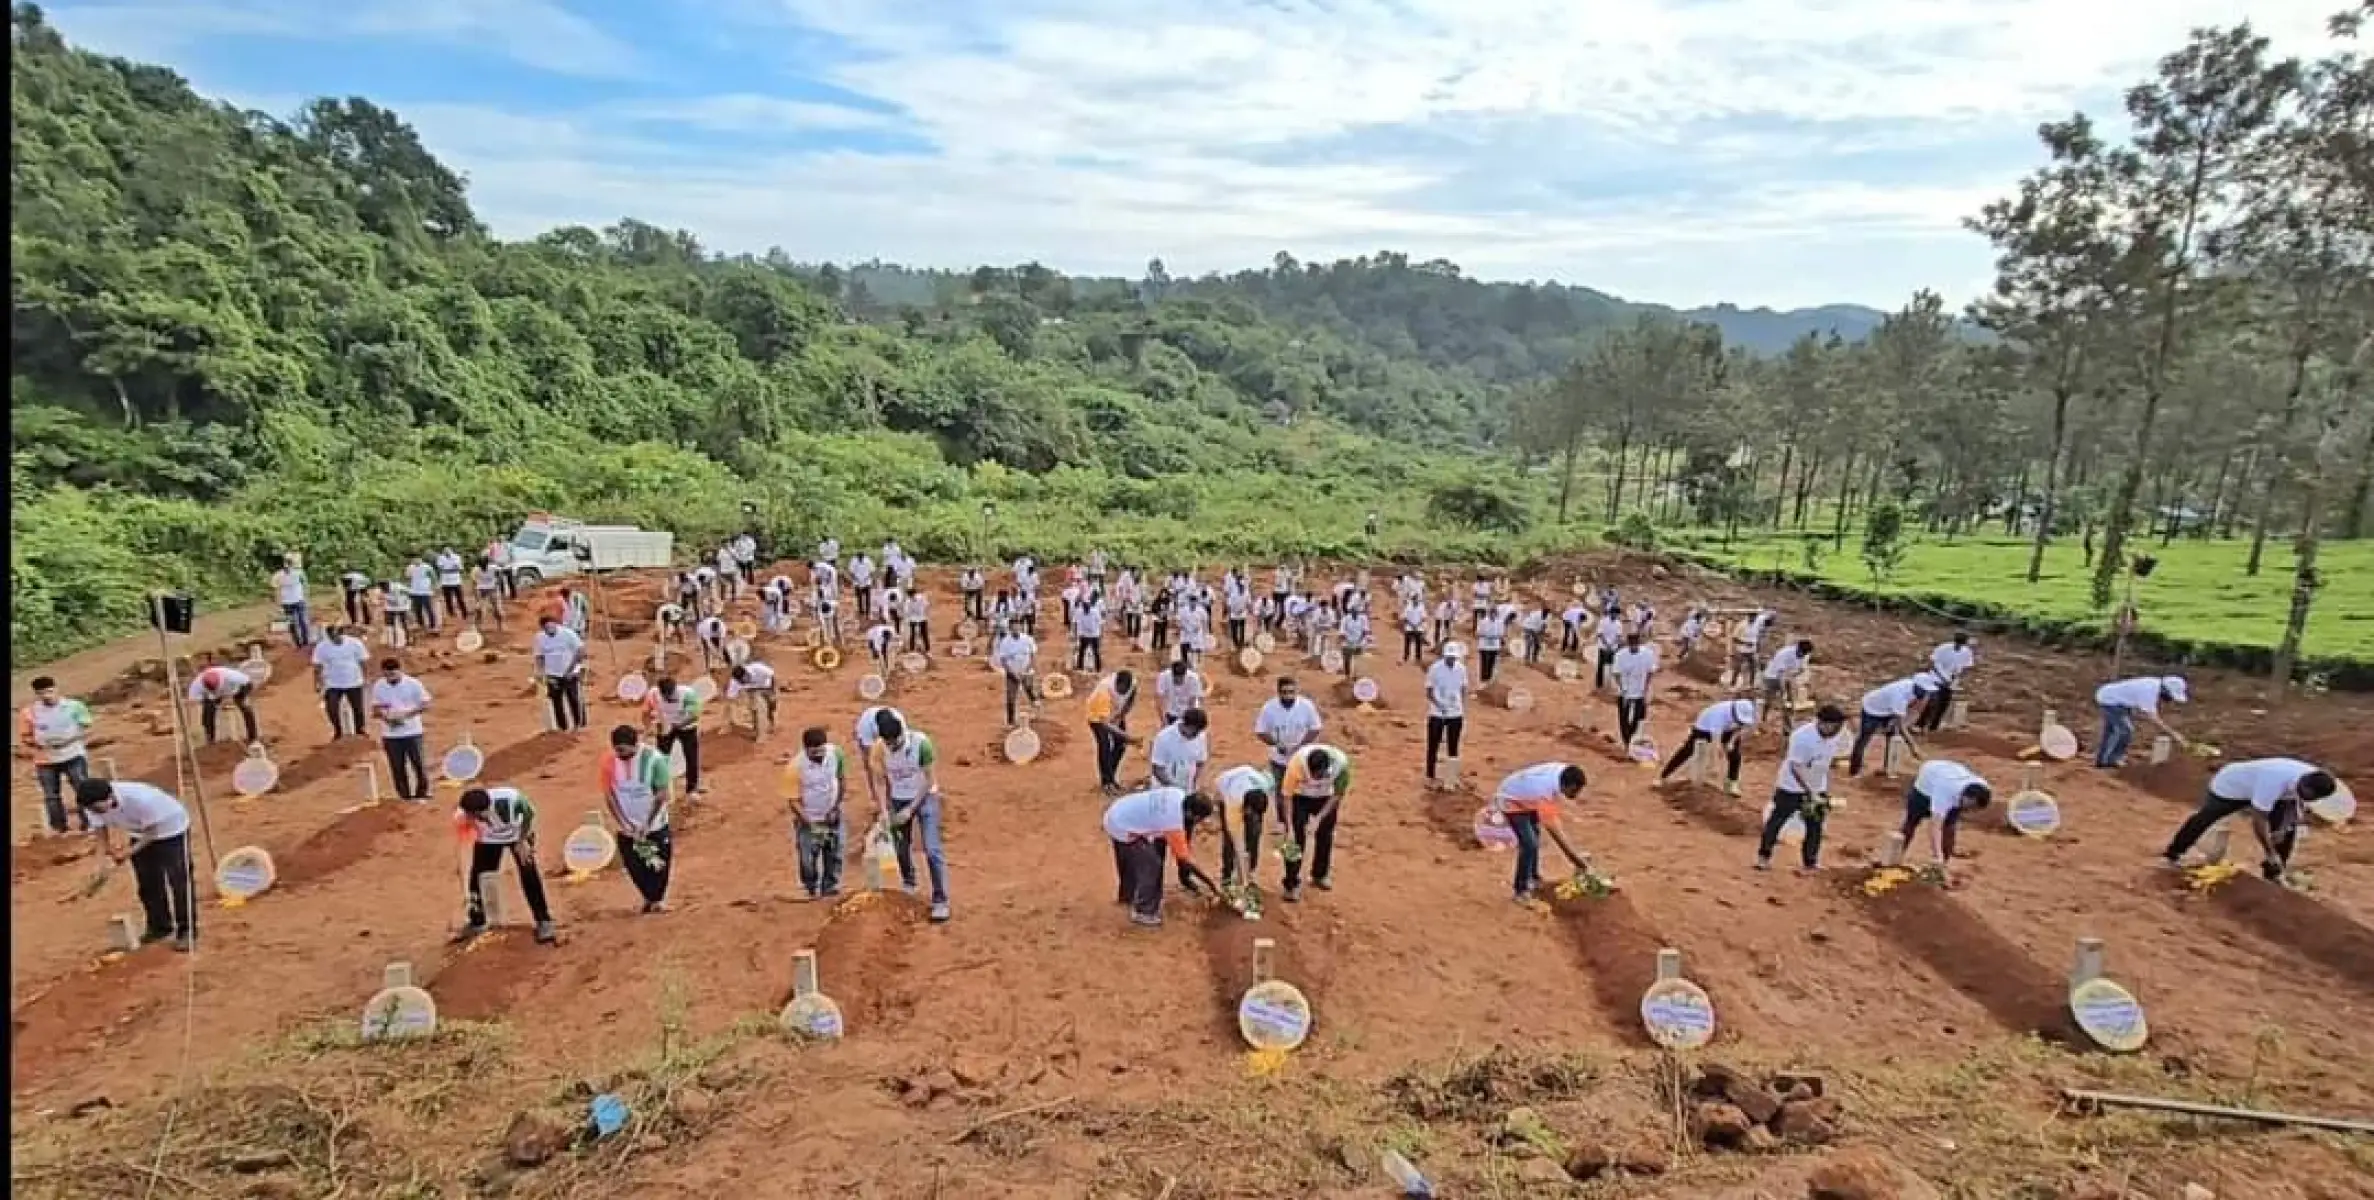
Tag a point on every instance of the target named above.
point(1633, 668)
point(449, 569)
point(226, 682)
point(2261, 781)
point(343, 662)
point(1533, 785)
point(2142, 694)
point(1289, 728)
point(878, 640)
point(556, 649)
point(1089, 620)
point(405, 694)
point(1949, 660)
point(711, 629)
point(290, 584)
point(758, 677)
point(1413, 616)
point(1147, 815)
point(1177, 758)
point(58, 729)
point(1723, 716)
point(1238, 782)
point(864, 731)
point(418, 577)
point(861, 571)
point(1943, 781)
point(1785, 665)
point(1014, 654)
point(1178, 693)
point(1810, 753)
point(145, 812)
point(1490, 631)
point(1610, 633)
point(1446, 689)
point(1891, 699)
point(820, 783)
point(918, 609)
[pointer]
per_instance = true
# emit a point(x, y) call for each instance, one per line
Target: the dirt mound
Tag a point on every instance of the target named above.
point(324, 761)
point(2183, 778)
point(1711, 807)
point(509, 763)
point(1927, 923)
point(2300, 924)
point(861, 958)
point(1618, 947)
point(481, 980)
point(1299, 955)
point(343, 843)
point(71, 1018)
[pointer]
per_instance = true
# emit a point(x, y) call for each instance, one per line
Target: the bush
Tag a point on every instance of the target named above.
point(1478, 502)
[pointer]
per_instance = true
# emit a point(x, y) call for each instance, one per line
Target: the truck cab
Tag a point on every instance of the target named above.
point(551, 547)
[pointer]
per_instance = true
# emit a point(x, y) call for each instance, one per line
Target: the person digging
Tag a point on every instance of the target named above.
point(499, 823)
point(1529, 800)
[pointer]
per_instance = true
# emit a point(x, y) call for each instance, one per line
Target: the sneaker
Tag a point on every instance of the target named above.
point(469, 931)
point(2170, 863)
point(154, 935)
point(1812, 870)
point(182, 943)
point(1323, 885)
point(545, 935)
point(1731, 788)
point(1763, 864)
point(1293, 893)
point(832, 891)
point(939, 911)
point(655, 906)
point(1145, 920)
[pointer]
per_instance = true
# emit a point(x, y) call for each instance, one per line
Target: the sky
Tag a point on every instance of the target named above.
point(1785, 153)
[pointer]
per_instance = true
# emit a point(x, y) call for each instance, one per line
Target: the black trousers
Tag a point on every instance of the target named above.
point(1441, 733)
point(161, 872)
point(1532, 647)
point(1933, 713)
point(356, 614)
point(1599, 672)
point(1111, 745)
point(509, 579)
point(972, 606)
point(351, 699)
point(1690, 749)
point(865, 600)
point(407, 768)
point(650, 878)
point(1413, 645)
point(1784, 806)
point(424, 609)
point(1162, 633)
point(1916, 810)
point(2215, 808)
point(1631, 714)
point(689, 738)
point(1491, 659)
point(919, 636)
point(566, 694)
point(1255, 812)
point(1317, 839)
point(1089, 654)
point(1236, 632)
point(239, 700)
point(485, 857)
point(1867, 728)
point(452, 593)
point(1140, 865)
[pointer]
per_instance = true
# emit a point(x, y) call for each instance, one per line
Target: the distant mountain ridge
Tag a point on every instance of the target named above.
point(1766, 331)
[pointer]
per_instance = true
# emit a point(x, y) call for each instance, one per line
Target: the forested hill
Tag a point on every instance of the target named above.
point(234, 334)
point(1428, 311)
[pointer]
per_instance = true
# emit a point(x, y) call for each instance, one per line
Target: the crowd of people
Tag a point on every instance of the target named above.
point(1295, 795)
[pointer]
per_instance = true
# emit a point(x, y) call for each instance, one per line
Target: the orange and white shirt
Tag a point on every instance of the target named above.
point(1533, 789)
point(1155, 814)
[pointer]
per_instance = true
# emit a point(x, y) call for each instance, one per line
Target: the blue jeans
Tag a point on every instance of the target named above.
point(820, 858)
point(1527, 827)
point(2118, 733)
point(53, 799)
point(300, 618)
point(926, 814)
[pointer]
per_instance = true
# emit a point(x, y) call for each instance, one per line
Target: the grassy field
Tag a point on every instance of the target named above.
point(2197, 597)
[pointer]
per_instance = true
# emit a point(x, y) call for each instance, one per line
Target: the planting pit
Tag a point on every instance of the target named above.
point(1296, 956)
point(1925, 922)
point(1711, 807)
point(2298, 923)
point(506, 764)
point(1618, 948)
point(861, 957)
point(342, 843)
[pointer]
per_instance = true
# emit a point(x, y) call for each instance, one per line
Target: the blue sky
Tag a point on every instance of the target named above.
point(1773, 152)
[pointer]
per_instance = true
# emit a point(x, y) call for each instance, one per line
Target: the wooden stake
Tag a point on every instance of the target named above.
point(2088, 965)
point(1669, 963)
point(803, 973)
point(397, 975)
point(1263, 949)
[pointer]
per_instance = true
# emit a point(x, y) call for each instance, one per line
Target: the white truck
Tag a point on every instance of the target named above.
point(549, 547)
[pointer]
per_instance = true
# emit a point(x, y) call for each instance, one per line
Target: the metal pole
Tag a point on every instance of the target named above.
point(2096, 1100)
point(192, 780)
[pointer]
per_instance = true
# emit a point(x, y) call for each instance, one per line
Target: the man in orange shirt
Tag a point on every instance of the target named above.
point(1530, 799)
point(1147, 827)
point(1108, 720)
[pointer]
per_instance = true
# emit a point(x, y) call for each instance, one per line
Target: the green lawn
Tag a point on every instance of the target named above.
point(2198, 595)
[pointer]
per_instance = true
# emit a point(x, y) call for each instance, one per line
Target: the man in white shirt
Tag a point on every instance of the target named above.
point(879, 635)
point(1146, 827)
point(1529, 800)
point(1887, 713)
point(1244, 802)
point(1016, 654)
point(969, 585)
point(1088, 632)
point(212, 687)
point(1633, 666)
point(560, 660)
point(1950, 662)
point(911, 782)
point(449, 583)
point(1285, 723)
point(398, 700)
point(1780, 677)
point(813, 786)
point(1610, 638)
point(53, 729)
point(1413, 630)
point(1491, 632)
point(1178, 688)
point(420, 585)
point(1942, 789)
point(1724, 721)
point(1746, 638)
point(2275, 791)
point(288, 589)
point(756, 680)
point(500, 823)
point(1446, 704)
point(1179, 751)
point(156, 829)
point(1802, 788)
point(861, 581)
point(918, 614)
point(2122, 700)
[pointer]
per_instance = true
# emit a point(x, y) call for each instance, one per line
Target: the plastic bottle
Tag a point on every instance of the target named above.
point(881, 860)
point(1405, 1176)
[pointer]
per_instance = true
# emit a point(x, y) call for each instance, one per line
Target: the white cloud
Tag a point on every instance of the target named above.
point(537, 33)
point(747, 112)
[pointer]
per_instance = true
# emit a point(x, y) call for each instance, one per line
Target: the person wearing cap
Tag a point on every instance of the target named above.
point(1180, 750)
point(911, 785)
point(54, 728)
point(1780, 676)
point(2275, 791)
point(1802, 788)
point(814, 785)
point(1108, 707)
point(2120, 702)
point(156, 831)
point(1885, 714)
point(756, 680)
point(1446, 703)
point(1529, 800)
point(1726, 722)
point(1317, 779)
point(398, 700)
point(499, 823)
point(1146, 827)
point(1950, 662)
point(1942, 789)
point(635, 783)
point(1633, 667)
point(212, 687)
point(560, 660)
point(673, 713)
